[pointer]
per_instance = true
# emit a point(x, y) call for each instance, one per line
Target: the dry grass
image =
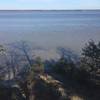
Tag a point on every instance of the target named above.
point(75, 97)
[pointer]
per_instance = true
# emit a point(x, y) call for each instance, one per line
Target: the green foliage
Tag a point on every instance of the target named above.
point(64, 66)
point(91, 57)
point(81, 75)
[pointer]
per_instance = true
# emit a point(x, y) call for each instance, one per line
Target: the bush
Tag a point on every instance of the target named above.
point(90, 60)
point(64, 67)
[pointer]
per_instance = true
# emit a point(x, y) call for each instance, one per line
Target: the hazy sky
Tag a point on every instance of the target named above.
point(49, 4)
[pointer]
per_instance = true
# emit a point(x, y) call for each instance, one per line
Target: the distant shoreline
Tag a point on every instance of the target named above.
point(55, 10)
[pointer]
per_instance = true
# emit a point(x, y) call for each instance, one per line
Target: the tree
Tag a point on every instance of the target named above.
point(65, 66)
point(91, 58)
point(25, 49)
point(4, 61)
point(39, 65)
point(67, 54)
point(1, 48)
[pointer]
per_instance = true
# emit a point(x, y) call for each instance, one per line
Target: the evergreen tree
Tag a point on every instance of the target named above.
point(91, 58)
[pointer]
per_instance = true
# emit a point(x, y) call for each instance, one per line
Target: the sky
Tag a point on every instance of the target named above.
point(48, 4)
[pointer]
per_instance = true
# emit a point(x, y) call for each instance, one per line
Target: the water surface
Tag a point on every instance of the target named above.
point(70, 29)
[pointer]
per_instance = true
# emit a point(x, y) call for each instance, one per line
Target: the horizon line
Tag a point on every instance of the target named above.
point(46, 9)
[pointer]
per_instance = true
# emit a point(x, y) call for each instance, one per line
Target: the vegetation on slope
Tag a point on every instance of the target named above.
point(23, 76)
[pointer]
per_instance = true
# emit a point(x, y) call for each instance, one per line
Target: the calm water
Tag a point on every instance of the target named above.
point(50, 28)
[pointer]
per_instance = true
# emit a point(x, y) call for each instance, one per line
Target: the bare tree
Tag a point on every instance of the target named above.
point(68, 54)
point(4, 60)
point(26, 51)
